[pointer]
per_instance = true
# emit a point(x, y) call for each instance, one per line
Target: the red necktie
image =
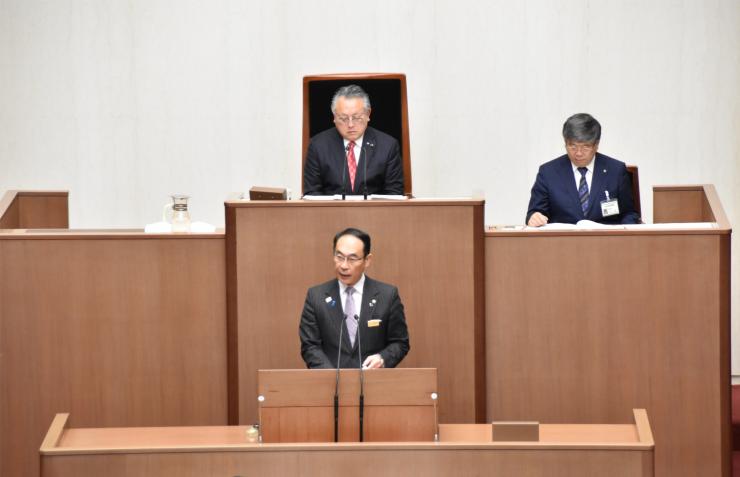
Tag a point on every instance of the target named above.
point(351, 163)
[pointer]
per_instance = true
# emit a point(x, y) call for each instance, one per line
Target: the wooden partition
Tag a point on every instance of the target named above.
point(581, 325)
point(298, 405)
point(121, 328)
point(688, 203)
point(565, 450)
point(431, 249)
point(34, 210)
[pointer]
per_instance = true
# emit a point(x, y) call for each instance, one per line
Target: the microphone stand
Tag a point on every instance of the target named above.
point(364, 169)
point(344, 172)
point(362, 380)
point(336, 387)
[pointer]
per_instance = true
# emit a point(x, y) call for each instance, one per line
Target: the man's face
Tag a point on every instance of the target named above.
point(581, 153)
point(350, 261)
point(351, 117)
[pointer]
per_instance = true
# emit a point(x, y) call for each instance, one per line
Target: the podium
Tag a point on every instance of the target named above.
point(432, 250)
point(298, 405)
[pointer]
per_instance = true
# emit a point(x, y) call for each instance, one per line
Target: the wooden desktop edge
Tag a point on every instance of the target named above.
point(644, 432)
point(49, 447)
point(350, 203)
point(54, 434)
point(101, 234)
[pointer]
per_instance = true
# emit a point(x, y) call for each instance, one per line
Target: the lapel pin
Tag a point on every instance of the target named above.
point(604, 171)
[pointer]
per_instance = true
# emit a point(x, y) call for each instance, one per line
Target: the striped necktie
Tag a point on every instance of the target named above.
point(583, 190)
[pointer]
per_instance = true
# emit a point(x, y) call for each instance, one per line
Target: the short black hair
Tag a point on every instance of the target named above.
point(582, 127)
point(364, 236)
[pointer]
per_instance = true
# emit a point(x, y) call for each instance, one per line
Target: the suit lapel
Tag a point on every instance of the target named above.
point(366, 154)
point(567, 177)
point(367, 308)
point(598, 183)
point(333, 304)
point(339, 155)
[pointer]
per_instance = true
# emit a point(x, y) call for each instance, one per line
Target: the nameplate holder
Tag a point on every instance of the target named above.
point(515, 431)
point(268, 193)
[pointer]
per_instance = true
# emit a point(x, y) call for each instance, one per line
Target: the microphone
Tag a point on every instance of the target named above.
point(344, 172)
point(364, 167)
point(362, 378)
point(336, 386)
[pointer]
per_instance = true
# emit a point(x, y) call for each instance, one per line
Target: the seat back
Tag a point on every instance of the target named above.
point(389, 103)
point(635, 176)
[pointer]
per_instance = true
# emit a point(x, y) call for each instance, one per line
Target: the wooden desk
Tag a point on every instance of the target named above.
point(583, 324)
point(431, 249)
point(122, 328)
point(624, 450)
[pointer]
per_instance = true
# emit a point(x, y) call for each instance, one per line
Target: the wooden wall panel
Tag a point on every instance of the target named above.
point(120, 330)
point(431, 250)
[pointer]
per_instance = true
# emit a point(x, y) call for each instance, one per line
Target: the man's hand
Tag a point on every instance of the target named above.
point(373, 361)
point(537, 220)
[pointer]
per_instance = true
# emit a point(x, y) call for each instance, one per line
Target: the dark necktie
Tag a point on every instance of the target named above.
point(349, 311)
point(583, 189)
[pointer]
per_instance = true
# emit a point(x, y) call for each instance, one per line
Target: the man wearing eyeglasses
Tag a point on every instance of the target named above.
point(352, 158)
point(582, 184)
point(365, 313)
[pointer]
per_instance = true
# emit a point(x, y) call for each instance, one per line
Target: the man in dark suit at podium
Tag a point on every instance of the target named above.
point(353, 308)
point(352, 158)
point(582, 184)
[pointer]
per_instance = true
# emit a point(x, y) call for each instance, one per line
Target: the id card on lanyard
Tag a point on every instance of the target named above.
point(609, 207)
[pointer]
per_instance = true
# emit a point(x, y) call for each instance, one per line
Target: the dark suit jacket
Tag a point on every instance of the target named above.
point(321, 321)
point(326, 159)
point(555, 194)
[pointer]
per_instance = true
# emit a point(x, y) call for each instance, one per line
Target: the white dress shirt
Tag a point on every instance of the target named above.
point(589, 175)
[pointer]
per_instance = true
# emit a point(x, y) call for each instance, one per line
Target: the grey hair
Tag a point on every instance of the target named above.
point(582, 127)
point(350, 91)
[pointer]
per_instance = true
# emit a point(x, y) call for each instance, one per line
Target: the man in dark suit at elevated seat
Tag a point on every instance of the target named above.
point(352, 158)
point(353, 309)
point(582, 184)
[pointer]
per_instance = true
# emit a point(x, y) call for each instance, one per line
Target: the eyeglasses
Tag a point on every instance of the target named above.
point(351, 119)
point(573, 147)
point(351, 259)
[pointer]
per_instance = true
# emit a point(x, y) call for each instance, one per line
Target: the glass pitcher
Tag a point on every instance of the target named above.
point(177, 213)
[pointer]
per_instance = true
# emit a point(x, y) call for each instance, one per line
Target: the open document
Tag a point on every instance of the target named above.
point(354, 197)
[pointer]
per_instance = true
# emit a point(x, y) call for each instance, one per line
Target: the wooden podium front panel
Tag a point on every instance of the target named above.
point(122, 329)
point(431, 250)
point(298, 405)
point(581, 327)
